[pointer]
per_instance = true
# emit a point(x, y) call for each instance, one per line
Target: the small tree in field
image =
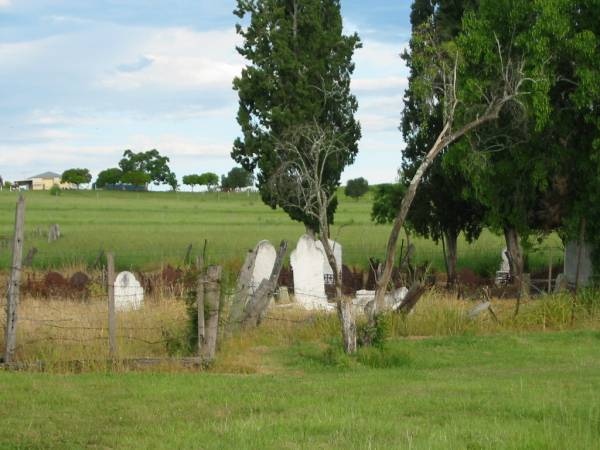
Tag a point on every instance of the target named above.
point(237, 178)
point(356, 188)
point(76, 177)
point(209, 179)
point(191, 180)
point(300, 182)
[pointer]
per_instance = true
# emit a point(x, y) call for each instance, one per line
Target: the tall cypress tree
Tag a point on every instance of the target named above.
point(440, 210)
point(298, 72)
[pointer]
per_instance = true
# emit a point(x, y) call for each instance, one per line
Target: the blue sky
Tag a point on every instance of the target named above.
point(83, 80)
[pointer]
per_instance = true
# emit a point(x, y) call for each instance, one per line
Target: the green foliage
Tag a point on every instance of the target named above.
point(356, 188)
point(375, 335)
point(55, 190)
point(299, 70)
point(76, 176)
point(386, 202)
point(237, 178)
point(136, 178)
point(7, 185)
point(440, 207)
point(152, 163)
point(191, 180)
point(109, 177)
point(209, 179)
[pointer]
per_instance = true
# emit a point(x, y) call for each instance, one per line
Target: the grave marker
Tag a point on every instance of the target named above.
point(129, 294)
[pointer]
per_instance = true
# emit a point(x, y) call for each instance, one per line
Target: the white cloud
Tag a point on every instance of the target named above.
point(179, 58)
point(4, 3)
point(176, 146)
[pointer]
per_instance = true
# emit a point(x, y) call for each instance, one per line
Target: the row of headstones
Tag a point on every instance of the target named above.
point(310, 267)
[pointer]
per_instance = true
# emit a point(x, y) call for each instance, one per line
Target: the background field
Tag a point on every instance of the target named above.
point(147, 230)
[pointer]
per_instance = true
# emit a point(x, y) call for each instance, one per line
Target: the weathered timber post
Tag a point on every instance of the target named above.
point(200, 304)
point(14, 285)
point(212, 294)
point(112, 317)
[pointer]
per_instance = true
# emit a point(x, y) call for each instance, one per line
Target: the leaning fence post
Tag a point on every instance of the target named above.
point(110, 281)
point(14, 283)
point(213, 299)
point(200, 303)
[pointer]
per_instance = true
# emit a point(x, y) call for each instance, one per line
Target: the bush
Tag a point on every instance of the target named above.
point(375, 335)
point(55, 190)
point(356, 188)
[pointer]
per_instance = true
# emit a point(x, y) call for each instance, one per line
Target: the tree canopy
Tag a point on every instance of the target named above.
point(76, 176)
point(299, 70)
point(109, 177)
point(151, 163)
point(356, 188)
point(237, 178)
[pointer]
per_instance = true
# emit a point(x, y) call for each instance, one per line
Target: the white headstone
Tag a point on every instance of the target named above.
point(337, 254)
point(263, 264)
point(307, 265)
point(129, 294)
point(505, 266)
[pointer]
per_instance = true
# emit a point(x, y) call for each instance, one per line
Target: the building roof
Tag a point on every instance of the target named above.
point(47, 175)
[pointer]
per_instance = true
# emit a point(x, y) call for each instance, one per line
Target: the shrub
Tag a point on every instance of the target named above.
point(55, 190)
point(377, 334)
point(356, 188)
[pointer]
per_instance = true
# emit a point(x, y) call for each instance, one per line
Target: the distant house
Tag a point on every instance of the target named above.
point(43, 182)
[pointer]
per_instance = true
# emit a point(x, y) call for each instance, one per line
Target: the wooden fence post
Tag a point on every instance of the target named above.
point(200, 303)
point(213, 300)
point(14, 283)
point(112, 322)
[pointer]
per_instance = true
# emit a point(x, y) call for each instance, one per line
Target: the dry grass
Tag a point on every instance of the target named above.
point(67, 330)
point(56, 331)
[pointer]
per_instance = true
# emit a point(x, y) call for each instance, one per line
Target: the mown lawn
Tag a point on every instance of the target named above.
point(530, 391)
point(146, 230)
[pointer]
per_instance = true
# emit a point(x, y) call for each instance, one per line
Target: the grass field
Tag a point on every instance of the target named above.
point(525, 391)
point(146, 230)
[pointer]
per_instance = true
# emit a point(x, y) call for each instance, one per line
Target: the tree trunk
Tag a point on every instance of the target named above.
point(444, 139)
point(344, 307)
point(348, 324)
point(515, 254)
point(451, 239)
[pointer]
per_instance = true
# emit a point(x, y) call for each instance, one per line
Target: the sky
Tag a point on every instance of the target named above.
point(83, 80)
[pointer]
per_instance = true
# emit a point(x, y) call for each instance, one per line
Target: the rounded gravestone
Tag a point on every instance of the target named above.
point(129, 294)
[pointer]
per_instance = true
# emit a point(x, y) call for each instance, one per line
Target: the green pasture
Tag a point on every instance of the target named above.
point(530, 391)
point(146, 230)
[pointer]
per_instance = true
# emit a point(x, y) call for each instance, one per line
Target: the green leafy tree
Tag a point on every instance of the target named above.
point(136, 178)
point(109, 177)
point(192, 180)
point(299, 70)
point(236, 178)
point(76, 177)
point(356, 188)
point(480, 74)
point(152, 163)
point(209, 179)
